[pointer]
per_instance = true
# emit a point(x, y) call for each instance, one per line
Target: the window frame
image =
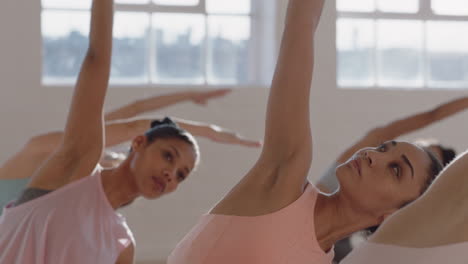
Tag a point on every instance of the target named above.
point(261, 49)
point(424, 14)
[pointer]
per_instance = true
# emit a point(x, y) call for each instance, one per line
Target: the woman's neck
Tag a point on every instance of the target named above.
point(335, 219)
point(119, 186)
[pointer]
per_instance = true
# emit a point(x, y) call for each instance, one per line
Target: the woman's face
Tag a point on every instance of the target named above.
point(380, 180)
point(159, 167)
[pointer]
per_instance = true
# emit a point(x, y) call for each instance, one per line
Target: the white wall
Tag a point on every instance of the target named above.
point(338, 118)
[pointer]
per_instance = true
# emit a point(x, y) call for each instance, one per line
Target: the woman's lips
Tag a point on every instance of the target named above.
point(161, 185)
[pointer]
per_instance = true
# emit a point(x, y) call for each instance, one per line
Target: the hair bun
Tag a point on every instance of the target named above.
point(165, 122)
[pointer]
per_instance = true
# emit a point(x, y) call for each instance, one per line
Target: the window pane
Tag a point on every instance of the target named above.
point(176, 2)
point(228, 6)
point(133, 2)
point(228, 49)
point(129, 62)
point(447, 50)
point(398, 6)
point(66, 3)
point(355, 44)
point(87, 3)
point(179, 55)
point(355, 5)
point(64, 43)
point(399, 52)
point(450, 7)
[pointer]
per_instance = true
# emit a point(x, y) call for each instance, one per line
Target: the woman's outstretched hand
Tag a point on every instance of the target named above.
point(202, 97)
point(221, 135)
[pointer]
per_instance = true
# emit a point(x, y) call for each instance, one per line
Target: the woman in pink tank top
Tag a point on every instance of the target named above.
point(431, 230)
point(273, 215)
point(73, 221)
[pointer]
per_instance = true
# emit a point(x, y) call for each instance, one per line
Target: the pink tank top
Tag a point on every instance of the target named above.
point(285, 236)
point(371, 253)
point(74, 224)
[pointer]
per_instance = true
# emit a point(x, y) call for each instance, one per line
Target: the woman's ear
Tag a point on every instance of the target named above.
point(138, 143)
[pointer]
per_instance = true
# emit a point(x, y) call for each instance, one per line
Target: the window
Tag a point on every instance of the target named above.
point(180, 42)
point(402, 43)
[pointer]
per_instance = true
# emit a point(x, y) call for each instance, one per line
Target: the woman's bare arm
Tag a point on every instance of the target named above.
point(127, 256)
point(399, 128)
point(406, 125)
point(288, 140)
point(157, 102)
point(39, 148)
point(279, 176)
point(124, 130)
point(83, 139)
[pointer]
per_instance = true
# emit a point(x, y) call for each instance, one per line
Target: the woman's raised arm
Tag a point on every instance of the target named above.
point(83, 140)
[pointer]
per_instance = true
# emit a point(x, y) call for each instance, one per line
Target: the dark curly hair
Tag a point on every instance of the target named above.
point(448, 154)
point(167, 128)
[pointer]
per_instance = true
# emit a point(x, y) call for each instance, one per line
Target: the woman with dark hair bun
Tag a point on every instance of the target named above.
point(431, 230)
point(121, 126)
point(328, 182)
point(443, 153)
point(274, 215)
point(67, 213)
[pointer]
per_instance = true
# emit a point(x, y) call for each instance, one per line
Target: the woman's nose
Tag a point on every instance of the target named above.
point(368, 156)
point(167, 175)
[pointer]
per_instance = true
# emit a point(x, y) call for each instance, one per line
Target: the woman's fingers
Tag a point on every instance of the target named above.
point(232, 138)
point(203, 97)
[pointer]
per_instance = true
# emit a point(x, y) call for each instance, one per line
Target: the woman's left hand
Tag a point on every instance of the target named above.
point(221, 135)
point(202, 97)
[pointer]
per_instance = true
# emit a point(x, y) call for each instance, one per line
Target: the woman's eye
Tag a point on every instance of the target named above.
point(396, 170)
point(168, 156)
point(381, 148)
